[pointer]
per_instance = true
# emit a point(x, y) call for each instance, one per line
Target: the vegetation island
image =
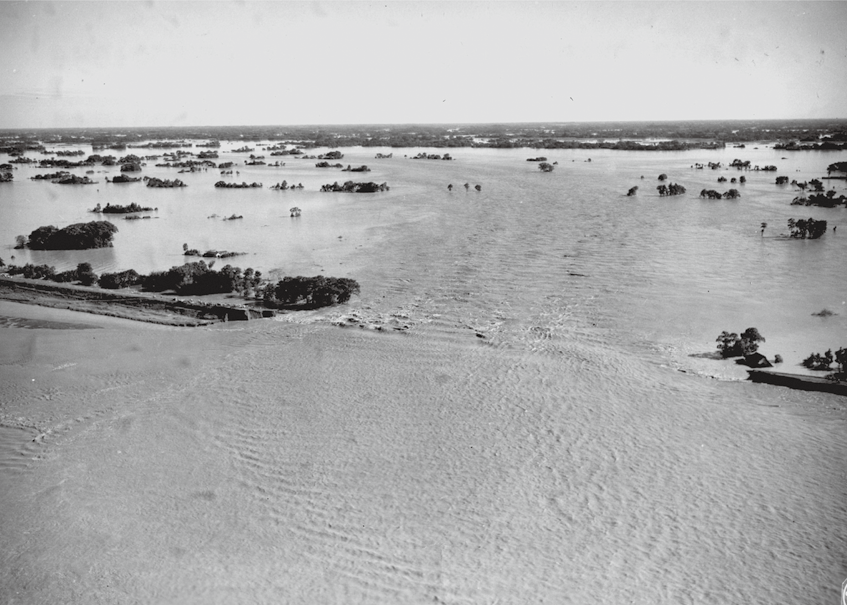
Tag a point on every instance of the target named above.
point(351, 187)
point(122, 178)
point(242, 185)
point(118, 209)
point(284, 186)
point(79, 236)
point(163, 183)
point(806, 228)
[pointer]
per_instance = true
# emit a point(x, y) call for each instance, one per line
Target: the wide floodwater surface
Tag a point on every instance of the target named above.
point(539, 418)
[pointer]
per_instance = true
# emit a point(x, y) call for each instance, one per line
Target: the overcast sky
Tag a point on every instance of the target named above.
point(71, 64)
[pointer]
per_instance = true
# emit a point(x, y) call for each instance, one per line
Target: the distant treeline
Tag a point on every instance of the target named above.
point(793, 134)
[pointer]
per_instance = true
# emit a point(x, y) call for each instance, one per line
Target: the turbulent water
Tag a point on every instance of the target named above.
point(523, 408)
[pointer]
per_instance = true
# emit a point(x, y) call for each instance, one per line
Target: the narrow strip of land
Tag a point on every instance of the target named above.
point(126, 304)
point(799, 381)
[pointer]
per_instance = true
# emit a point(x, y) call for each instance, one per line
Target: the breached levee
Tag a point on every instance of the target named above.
point(126, 304)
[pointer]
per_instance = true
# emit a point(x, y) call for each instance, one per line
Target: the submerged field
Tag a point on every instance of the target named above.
point(539, 418)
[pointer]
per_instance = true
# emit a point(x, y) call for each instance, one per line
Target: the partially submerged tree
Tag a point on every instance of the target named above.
point(83, 274)
point(818, 362)
point(318, 291)
point(672, 189)
point(122, 279)
point(806, 228)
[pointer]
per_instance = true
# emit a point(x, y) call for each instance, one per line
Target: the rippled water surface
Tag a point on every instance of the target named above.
point(530, 414)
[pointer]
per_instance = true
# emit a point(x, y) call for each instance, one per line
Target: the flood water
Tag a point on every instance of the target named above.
point(529, 412)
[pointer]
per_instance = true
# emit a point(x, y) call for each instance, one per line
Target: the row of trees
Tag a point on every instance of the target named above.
point(83, 273)
point(198, 278)
point(191, 278)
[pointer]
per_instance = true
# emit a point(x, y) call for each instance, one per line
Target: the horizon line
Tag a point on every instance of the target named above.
point(430, 124)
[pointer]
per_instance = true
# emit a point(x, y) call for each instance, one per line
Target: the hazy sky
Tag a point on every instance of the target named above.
point(70, 64)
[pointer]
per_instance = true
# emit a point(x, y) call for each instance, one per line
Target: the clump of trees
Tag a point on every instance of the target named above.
point(83, 273)
point(818, 362)
point(836, 167)
point(672, 189)
point(731, 344)
point(432, 156)
point(30, 271)
point(122, 178)
point(121, 279)
point(73, 179)
point(318, 291)
point(79, 236)
point(715, 195)
point(782, 180)
point(823, 363)
point(118, 209)
point(351, 187)
point(545, 167)
point(632, 191)
point(827, 200)
point(212, 253)
point(164, 183)
point(284, 185)
point(242, 185)
point(806, 228)
point(50, 176)
point(199, 278)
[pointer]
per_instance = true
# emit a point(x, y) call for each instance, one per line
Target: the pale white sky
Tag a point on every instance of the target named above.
point(72, 64)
